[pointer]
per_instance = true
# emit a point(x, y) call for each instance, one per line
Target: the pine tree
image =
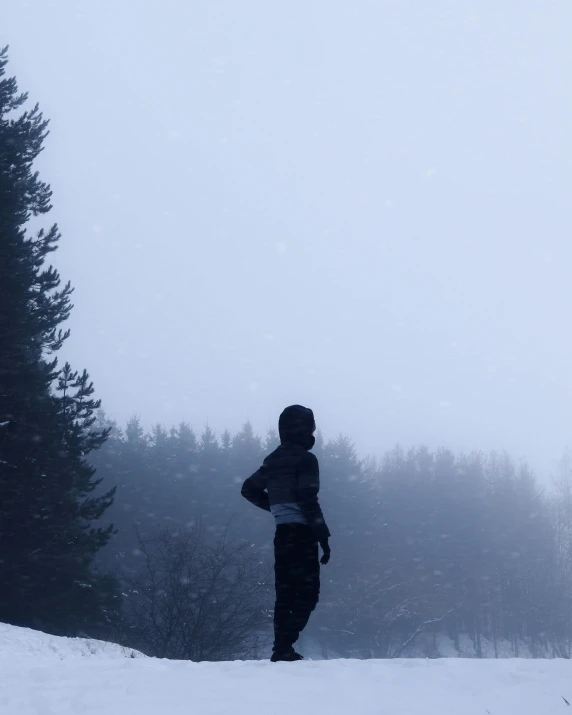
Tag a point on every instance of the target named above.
point(47, 423)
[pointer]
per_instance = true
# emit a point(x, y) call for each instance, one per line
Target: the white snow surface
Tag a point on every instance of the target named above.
point(46, 675)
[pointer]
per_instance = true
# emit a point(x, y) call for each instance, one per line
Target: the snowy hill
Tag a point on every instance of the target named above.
point(46, 675)
point(23, 642)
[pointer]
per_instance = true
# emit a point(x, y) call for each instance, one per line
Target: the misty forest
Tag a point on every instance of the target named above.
point(138, 534)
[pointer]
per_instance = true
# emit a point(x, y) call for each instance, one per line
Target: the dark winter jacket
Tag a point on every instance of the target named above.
point(288, 482)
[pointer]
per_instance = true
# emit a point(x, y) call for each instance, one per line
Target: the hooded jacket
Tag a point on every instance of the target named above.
point(288, 482)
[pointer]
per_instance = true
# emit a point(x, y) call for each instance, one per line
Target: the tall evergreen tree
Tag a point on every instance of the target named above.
point(47, 425)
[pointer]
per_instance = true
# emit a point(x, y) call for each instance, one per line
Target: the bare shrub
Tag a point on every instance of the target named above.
point(194, 600)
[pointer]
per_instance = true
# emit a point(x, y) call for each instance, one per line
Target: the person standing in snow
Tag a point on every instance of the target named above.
point(287, 485)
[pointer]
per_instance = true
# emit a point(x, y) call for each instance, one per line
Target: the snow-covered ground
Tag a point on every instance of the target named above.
point(24, 643)
point(45, 675)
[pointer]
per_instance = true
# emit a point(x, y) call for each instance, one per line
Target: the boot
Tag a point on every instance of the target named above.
point(290, 656)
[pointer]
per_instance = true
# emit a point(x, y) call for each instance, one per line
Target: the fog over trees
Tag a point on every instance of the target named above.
point(425, 545)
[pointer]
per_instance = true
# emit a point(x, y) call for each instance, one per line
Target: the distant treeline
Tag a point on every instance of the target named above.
point(423, 543)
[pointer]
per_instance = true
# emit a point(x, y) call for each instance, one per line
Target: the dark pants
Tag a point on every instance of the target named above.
point(297, 572)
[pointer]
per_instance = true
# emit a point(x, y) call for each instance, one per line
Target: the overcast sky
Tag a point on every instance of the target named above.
point(362, 206)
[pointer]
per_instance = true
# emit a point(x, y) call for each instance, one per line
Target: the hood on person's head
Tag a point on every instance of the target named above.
point(297, 426)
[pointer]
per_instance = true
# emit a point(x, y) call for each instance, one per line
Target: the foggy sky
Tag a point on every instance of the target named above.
point(361, 206)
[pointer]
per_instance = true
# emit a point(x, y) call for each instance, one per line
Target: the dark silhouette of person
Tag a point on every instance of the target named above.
point(287, 485)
